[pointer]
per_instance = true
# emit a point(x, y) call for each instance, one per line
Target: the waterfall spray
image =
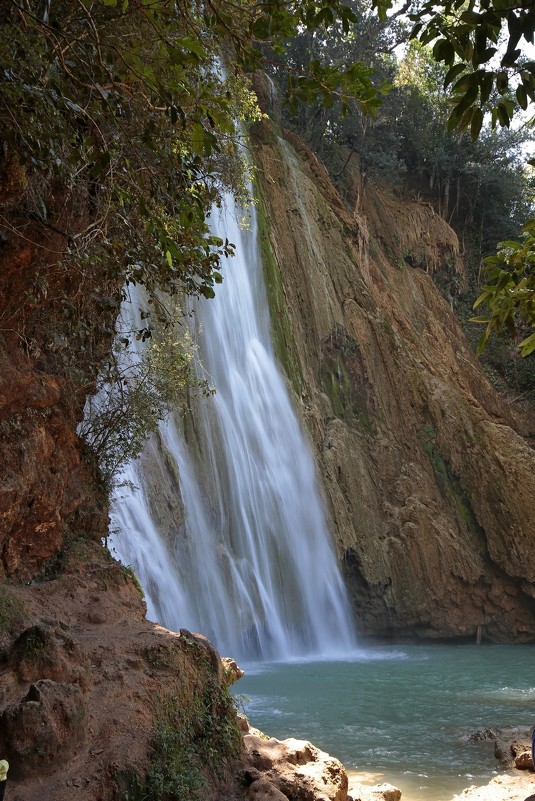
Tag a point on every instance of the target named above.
point(252, 565)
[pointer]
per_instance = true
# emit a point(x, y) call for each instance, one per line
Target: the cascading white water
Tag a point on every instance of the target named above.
point(253, 567)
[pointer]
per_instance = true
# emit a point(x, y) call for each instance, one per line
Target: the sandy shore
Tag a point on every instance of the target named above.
point(513, 786)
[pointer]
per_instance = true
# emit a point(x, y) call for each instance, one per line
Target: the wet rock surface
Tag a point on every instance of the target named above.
point(512, 745)
point(429, 474)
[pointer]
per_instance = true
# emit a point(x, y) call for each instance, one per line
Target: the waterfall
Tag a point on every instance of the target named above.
point(252, 566)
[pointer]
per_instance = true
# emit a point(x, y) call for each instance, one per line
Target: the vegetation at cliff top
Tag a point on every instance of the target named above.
point(429, 134)
point(126, 101)
point(122, 108)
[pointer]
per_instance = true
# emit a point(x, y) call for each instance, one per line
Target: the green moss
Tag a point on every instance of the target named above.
point(11, 612)
point(130, 576)
point(429, 432)
point(343, 380)
point(193, 743)
point(347, 403)
point(283, 340)
point(450, 485)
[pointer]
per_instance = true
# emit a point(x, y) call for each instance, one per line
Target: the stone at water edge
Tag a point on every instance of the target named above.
point(523, 761)
point(378, 792)
point(385, 791)
point(277, 770)
point(507, 787)
point(295, 768)
point(263, 790)
point(512, 745)
point(231, 671)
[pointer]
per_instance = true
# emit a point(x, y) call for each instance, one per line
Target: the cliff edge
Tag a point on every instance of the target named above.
point(429, 474)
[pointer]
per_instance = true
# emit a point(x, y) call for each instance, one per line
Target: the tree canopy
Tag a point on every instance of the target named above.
point(482, 43)
point(127, 103)
point(139, 103)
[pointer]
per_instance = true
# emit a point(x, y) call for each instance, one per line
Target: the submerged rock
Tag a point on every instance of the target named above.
point(512, 745)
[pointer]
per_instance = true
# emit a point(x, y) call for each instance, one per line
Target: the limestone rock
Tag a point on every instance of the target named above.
point(45, 651)
point(519, 787)
point(79, 703)
point(263, 790)
point(377, 792)
point(297, 769)
point(428, 474)
point(231, 671)
point(512, 745)
point(211, 652)
point(386, 792)
point(523, 760)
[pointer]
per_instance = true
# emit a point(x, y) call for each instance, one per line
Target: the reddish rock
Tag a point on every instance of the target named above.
point(48, 726)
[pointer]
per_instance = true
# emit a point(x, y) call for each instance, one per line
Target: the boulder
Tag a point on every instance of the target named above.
point(386, 792)
point(523, 761)
point(263, 790)
point(231, 671)
point(378, 792)
point(295, 768)
point(512, 745)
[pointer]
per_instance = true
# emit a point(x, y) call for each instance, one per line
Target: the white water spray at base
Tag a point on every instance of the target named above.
point(252, 567)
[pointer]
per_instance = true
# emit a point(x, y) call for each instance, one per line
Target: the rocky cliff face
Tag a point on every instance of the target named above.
point(428, 474)
point(52, 337)
point(85, 680)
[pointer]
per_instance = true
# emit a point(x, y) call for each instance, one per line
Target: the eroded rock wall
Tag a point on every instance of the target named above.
point(53, 335)
point(98, 704)
point(428, 475)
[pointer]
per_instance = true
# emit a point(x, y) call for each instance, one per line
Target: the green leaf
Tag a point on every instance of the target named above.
point(452, 73)
point(477, 122)
point(486, 83)
point(262, 28)
point(466, 101)
point(503, 115)
point(521, 96)
point(466, 119)
point(527, 346)
point(443, 51)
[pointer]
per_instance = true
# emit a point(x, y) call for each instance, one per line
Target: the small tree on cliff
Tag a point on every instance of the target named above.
point(482, 45)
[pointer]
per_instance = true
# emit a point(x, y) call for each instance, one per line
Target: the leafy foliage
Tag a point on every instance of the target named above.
point(366, 44)
point(130, 99)
point(510, 292)
point(126, 105)
point(480, 43)
point(146, 376)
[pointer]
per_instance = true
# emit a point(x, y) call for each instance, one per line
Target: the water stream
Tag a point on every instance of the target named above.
point(401, 714)
point(253, 566)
